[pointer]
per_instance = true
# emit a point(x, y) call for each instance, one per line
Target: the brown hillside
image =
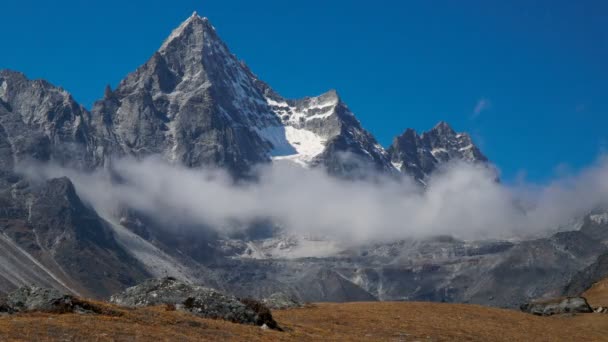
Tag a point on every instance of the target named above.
point(388, 321)
point(597, 295)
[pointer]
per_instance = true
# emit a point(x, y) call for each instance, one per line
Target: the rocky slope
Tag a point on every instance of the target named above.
point(53, 239)
point(50, 236)
point(595, 226)
point(42, 122)
point(497, 273)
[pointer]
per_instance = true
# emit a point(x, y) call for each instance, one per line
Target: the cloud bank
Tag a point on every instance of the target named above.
point(461, 200)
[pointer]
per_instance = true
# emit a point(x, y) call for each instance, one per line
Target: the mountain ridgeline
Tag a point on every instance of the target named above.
point(196, 105)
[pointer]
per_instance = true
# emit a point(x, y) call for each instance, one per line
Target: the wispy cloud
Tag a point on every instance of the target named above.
point(462, 200)
point(482, 105)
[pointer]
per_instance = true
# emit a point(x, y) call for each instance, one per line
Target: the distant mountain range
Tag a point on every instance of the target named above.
point(195, 104)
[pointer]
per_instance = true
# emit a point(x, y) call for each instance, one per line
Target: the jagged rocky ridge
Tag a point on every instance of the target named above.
point(420, 155)
point(194, 103)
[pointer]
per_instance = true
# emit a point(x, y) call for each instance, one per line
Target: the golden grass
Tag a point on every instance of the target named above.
point(597, 295)
point(385, 321)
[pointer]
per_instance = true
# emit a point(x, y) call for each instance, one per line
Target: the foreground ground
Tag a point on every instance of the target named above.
point(404, 321)
point(597, 295)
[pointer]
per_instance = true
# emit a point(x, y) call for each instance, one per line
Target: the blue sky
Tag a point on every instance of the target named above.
point(528, 79)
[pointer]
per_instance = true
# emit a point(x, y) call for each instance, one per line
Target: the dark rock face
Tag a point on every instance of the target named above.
point(82, 243)
point(325, 285)
point(557, 306)
point(595, 225)
point(201, 301)
point(536, 268)
point(58, 242)
point(583, 280)
point(420, 155)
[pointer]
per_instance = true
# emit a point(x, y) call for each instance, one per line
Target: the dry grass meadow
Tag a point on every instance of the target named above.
point(379, 321)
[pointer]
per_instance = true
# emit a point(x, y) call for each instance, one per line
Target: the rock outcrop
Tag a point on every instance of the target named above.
point(201, 301)
point(557, 306)
point(37, 299)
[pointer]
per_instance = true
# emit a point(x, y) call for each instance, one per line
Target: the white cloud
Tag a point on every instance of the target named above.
point(462, 200)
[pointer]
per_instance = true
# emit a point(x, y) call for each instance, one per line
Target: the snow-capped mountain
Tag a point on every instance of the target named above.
point(195, 104)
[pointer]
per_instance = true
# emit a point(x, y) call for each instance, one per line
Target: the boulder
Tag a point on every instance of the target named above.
point(280, 301)
point(201, 301)
point(38, 299)
point(557, 306)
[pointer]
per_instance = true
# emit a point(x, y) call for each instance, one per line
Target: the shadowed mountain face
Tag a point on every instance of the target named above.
point(595, 226)
point(194, 104)
point(51, 238)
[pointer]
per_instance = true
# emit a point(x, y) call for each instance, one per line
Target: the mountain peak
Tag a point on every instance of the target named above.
point(409, 134)
point(331, 96)
point(420, 155)
point(194, 19)
point(196, 16)
point(444, 127)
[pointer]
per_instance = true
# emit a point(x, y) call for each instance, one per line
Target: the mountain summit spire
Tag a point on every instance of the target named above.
point(176, 33)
